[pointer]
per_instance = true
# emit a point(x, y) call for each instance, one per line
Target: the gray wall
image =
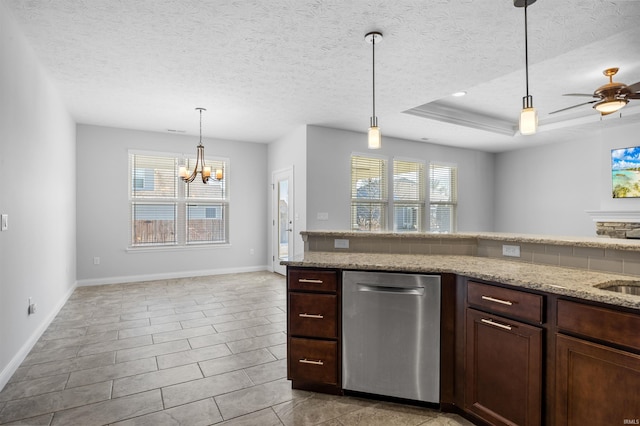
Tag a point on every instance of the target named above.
point(329, 176)
point(103, 215)
point(37, 191)
point(290, 151)
point(547, 189)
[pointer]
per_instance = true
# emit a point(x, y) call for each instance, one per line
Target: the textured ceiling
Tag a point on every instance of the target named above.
point(261, 67)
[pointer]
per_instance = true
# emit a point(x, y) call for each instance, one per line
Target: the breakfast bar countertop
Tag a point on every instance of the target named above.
point(578, 283)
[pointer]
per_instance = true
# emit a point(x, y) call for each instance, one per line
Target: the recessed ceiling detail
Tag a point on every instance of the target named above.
point(441, 111)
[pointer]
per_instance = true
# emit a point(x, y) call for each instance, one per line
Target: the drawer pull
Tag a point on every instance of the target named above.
point(492, 299)
point(496, 324)
point(315, 316)
point(310, 281)
point(309, 361)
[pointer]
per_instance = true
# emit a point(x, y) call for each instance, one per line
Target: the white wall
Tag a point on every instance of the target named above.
point(103, 215)
point(547, 189)
point(37, 191)
point(290, 151)
point(329, 176)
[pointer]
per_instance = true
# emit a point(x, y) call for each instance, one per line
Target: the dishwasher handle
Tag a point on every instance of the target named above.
point(415, 291)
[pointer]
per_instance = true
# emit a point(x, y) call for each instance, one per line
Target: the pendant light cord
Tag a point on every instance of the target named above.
point(200, 126)
point(373, 46)
point(526, 47)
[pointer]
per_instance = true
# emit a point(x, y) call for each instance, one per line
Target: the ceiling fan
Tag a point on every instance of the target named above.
point(609, 97)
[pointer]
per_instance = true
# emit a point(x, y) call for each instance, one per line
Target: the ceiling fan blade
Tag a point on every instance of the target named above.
point(574, 106)
point(633, 96)
point(588, 95)
point(635, 87)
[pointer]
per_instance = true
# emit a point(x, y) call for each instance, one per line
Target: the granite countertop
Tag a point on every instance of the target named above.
point(593, 242)
point(577, 283)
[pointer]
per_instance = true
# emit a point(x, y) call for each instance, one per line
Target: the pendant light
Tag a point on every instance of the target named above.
point(200, 167)
point(529, 116)
point(375, 138)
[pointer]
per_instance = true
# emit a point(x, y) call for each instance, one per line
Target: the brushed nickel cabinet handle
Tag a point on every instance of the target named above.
point(496, 324)
point(492, 299)
point(315, 316)
point(310, 281)
point(308, 361)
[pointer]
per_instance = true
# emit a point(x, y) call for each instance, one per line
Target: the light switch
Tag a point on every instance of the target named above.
point(5, 222)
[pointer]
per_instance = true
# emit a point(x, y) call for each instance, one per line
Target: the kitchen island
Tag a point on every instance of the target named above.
point(539, 328)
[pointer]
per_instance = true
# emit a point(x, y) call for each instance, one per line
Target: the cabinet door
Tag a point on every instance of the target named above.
point(595, 385)
point(503, 374)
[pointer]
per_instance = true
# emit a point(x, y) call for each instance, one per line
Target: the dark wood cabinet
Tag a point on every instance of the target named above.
point(598, 368)
point(503, 377)
point(503, 356)
point(313, 329)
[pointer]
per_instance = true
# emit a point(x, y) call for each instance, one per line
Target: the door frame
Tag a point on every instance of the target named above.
point(276, 176)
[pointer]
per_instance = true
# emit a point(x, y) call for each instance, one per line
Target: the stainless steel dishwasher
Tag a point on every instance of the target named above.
point(391, 334)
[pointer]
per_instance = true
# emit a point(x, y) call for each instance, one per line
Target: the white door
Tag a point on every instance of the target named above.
point(282, 184)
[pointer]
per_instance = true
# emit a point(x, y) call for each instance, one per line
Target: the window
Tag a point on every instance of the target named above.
point(368, 193)
point(408, 195)
point(168, 212)
point(443, 197)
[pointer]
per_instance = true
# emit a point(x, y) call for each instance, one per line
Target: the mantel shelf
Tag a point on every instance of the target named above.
point(614, 215)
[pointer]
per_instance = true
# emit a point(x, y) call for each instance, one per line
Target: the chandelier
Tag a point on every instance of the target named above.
point(200, 167)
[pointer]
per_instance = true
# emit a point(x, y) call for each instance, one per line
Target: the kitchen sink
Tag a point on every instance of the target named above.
point(626, 287)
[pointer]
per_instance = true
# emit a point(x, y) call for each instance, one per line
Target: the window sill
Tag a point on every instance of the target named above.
point(178, 248)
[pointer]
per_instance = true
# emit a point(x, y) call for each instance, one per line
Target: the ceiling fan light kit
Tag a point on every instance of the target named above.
point(610, 97)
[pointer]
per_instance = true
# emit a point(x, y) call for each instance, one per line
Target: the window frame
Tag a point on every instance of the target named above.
point(452, 202)
point(382, 202)
point(420, 202)
point(181, 202)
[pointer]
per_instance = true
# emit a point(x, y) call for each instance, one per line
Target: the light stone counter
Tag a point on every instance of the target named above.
point(587, 242)
point(582, 284)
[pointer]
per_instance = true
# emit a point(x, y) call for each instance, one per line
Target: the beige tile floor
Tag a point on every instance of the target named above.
point(197, 351)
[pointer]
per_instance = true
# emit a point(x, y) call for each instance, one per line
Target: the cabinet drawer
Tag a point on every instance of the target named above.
point(313, 315)
point(313, 361)
point(513, 303)
point(313, 280)
point(619, 328)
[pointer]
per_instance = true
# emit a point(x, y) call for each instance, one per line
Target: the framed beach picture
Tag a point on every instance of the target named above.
point(625, 172)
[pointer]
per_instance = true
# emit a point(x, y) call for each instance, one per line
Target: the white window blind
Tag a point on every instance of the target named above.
point(167, 211)
point(369, 197)
point(408, 195)
point(443, 197)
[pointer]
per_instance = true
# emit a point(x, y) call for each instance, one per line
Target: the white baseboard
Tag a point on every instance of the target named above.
point(168, 275)
point(19, 357)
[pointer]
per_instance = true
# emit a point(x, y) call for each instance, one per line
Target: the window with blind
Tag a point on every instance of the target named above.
point(165, 211)
point(408, 195)
point(369, 198)
point(443, 197)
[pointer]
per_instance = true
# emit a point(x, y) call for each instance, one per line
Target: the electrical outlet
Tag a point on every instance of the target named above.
point(31, 309)
point(323, 216)
point(340, 243)
point(96, 260)
point(510, 251)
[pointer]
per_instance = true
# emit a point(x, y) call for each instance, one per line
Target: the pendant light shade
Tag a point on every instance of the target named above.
point(375, 137)
point(528, 116)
